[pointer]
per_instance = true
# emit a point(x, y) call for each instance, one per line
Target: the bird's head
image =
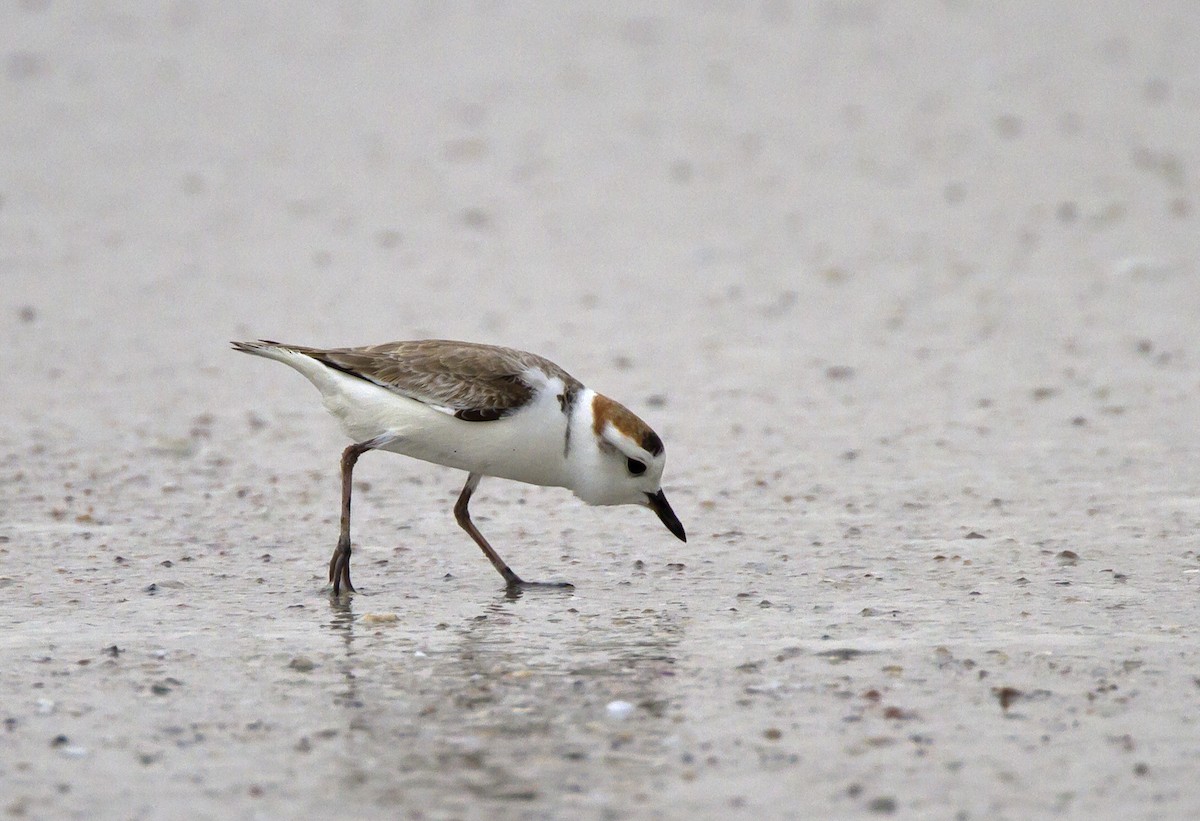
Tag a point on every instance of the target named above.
point(625, 461)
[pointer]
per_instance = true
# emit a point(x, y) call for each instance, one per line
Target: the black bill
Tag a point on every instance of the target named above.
point(659, 504)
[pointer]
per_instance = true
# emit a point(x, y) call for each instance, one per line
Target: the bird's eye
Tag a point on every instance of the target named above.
point(636, 467)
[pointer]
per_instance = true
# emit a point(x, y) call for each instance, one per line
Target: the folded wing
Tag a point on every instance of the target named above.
point(475, 383)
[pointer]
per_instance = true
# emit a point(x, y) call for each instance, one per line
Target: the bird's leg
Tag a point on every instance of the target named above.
point(339, 563)
point(463, 516)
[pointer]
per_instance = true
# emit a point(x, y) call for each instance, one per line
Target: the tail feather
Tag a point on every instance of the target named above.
point(258, 347)
point(294, 356)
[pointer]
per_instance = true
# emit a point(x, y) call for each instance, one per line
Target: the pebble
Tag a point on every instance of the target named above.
point(619, 710)
point(884, 805)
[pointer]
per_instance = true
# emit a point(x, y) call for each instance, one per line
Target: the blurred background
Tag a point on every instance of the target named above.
point(696, 190)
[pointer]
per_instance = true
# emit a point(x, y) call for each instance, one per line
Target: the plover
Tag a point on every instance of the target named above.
point(488, 410)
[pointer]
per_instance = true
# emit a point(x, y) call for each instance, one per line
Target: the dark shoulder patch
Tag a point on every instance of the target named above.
point(481, 414)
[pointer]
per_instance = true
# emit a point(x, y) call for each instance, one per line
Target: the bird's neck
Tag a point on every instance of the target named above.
point(582, 446)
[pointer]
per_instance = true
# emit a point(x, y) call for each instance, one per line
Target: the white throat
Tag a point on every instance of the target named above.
point(582, 449)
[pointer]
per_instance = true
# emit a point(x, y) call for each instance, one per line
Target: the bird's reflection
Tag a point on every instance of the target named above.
point(341, 623)
point(464, 703)
point(574, 646)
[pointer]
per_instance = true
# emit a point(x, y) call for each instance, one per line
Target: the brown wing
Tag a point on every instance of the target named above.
point(476, 383)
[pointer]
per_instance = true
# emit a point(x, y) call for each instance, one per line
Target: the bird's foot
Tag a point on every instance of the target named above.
point(518, 586)
point(339, 569)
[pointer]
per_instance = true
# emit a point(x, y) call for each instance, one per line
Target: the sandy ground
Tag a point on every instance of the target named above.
point(910, 291)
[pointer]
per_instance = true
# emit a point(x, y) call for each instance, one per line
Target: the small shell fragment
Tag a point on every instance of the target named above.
point(619, 710)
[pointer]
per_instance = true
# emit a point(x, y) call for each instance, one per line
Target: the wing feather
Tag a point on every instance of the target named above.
point(476, 383)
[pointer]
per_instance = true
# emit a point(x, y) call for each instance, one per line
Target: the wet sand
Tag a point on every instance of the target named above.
point(910, 294)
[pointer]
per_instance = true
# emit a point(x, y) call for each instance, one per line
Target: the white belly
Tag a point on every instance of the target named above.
point(524, 447)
